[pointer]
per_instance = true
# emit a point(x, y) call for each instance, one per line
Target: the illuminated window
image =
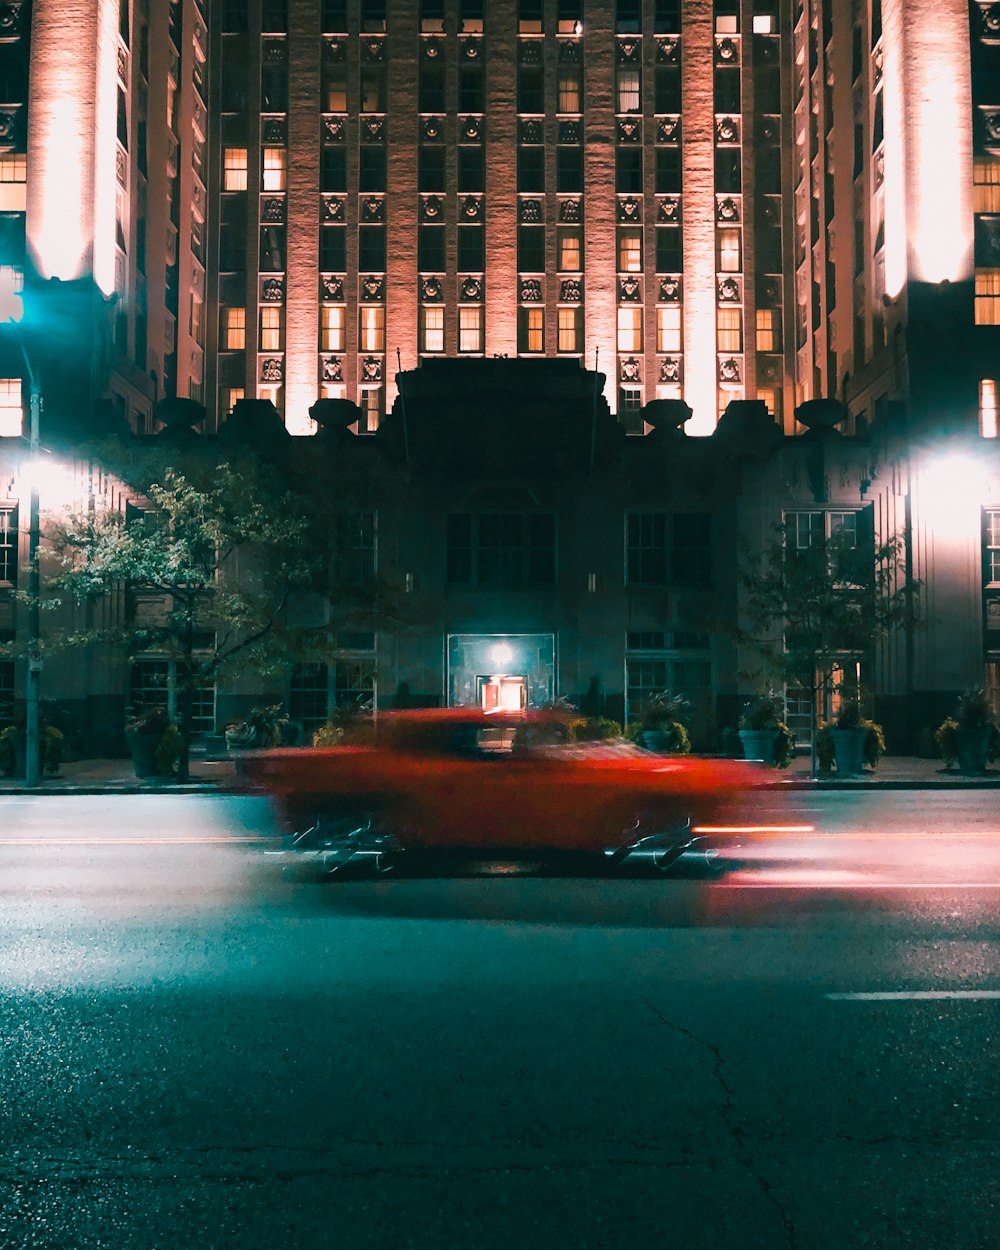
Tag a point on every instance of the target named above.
point(8, 546)
point(274, 169)
point(11, 411)
point(569, 89)
point(333, 390)
point(14, 167)
point(727, 24)
point(470, 329)
point(334, 97)
point(531, 330)
point(988, 408)
point(804, 530)
point(529, 17)
point(668, 328)
point(730, 325)
point(763, 24)
point(570, 251)
point(630, 329)
point(729, 251)
point(270, 329)
point(986, 189)
point(991, 520)
point(229, 397)
point(768, 330)
point(372, 323)
point(570, 330)
point(234, 328)
point(629, 251)
point(771, 399)
point(234, 169)
point(628, 89)
point(988, 297)
point(668, 390)
point(373, 407)
point(11, 279)
point(333, 328)
point(432, 328)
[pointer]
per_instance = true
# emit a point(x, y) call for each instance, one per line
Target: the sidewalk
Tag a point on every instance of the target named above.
point(895, 772)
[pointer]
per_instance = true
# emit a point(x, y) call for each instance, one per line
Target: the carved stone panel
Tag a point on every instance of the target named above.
point(335, 129)
point(670, 369)
point(530, 131)
point(332, 369)
point(332, 207)
point(471, 290)
point(373, 129)
point(729, 290)
point(668, 51)
point(629, 290)
point(570, 291)
point(727, 130)
point(272, 369)
point(471, 208)
point(727, 209)
point(530, 291)
point(668, 130)
point(272, 290)
point(372, 287)
point(371, 369)
point(432, 129)
point(272, 210)
point(431, 291)
point(670, 291)
point(471, 129)
point(630, 369)
point(727, 51)
point(331, 289)
point(372, 208)
point(730, 371)
point(629, 130)
point(431, 208)
point(570, 211)
point(668, 209)
point(629, 50)
point(630, 209)
point(531, 211)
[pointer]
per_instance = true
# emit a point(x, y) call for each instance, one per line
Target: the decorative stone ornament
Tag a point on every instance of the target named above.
point(332, 289)
point(631, 370)
point(989, 18)
point(10, 19)
point(667, 51)
point(431, 208)
point(371, 369)
point(727, 51)
point(570, 211)
point(629, 290)
point(372, 49)
point(273, 209)
point(630, 209)
point(472, 208)
point(335, 129)
point(432, 49)
point(372, 287)
point(531, 291)
point(430, 290)
point(628, 50)
point(730, 372)
point(531, 211)
point(472, 49)
point(877, 64)
point(569, 52)
point(991, 124)
point(569, 132)
point(433, 129)
point(373, 129)
point(272, 369)
point(670, 369)
point(272, 290)
point(121, 168)
point(531, 52)
point(669, 209)
point(372, 208)
point(771, 209)
point(272, 130)
point(332, 369)
point(333, 208)
point(727, 209)
point(670, 290)
point(471, 290)
point(727, 130)
point(570, 291)
point(336, 50)
point(729, 291)
point(471, 129)
point(668, 130)
point(769, 129)
point(770, 292)
point(629, 129)
point(878, 170)
point(531, 131)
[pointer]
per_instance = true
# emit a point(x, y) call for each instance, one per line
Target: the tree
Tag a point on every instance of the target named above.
point(233, 558)
point(811, 608)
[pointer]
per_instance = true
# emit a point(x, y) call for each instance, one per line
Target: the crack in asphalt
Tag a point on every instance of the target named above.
point(731, 1117)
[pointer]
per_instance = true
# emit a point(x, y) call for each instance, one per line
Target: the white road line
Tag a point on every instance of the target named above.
point(881, 996)
point(820, 885)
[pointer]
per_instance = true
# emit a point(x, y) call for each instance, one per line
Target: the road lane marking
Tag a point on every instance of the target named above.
point(855, 885)
point(753, 829)
point(176, 840)
point(953, 834)
point(886, 996)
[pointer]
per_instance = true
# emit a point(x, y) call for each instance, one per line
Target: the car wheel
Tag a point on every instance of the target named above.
point(344, 841)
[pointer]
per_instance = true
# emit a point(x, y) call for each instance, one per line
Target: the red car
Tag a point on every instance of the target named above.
point(462, 784)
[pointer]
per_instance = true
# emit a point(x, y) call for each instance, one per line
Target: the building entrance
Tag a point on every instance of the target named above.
point(500, 672)
point(502, 693)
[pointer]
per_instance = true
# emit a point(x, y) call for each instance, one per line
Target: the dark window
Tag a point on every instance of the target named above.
point(431, 169)
point(372, 16)
point(333, 249)
point(471, 169)
point(308, 696)
point(668, 249)
point(8, 546)
point(501, 548)
point(727, 171)
point(569, 169)
point(234, 16)
point(668, 170)
point(531, 169)
point(878, 122)
point(667, 17)
point(628, 170)
point(628, 17)
point(122, 119)
point(233, 233)
point(335, 17)
point(274, 87)
point(668, 89)
point(727, 90)
point(274, 15)
point(333, 169)
point(531, 249)
point(432, 16)
point(123, 26)
point(859, 150)
point(529, 15)
point(471, 253)
point(769, 171)
point(354, 548)
point(272, 249)
point(646, 549)
point(692, 548)
point(470, 91)
point(769, 248)
point(430, 249)
point(431, 95)
point(530, 89)
point(371, 248)
point(371, 168)
point(372, 89)
point(569, 16)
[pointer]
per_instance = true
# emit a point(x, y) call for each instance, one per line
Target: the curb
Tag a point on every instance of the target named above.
point(71, 791)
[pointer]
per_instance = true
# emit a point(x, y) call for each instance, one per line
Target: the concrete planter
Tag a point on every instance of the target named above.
point(848, 750)
point(973, 748)
point(760, 744)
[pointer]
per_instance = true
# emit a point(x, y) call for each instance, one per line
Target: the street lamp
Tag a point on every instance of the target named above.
point(11, 309)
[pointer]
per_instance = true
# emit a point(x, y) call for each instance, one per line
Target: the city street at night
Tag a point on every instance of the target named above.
point(798, 1050)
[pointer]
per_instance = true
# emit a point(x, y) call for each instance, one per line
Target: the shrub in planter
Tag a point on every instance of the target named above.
point(263, 727)
point(14, 744)
point(761, 728)
point(850, 719)
point(594, 729)
point(660, 728)
point(155, 743)
point(970, 738)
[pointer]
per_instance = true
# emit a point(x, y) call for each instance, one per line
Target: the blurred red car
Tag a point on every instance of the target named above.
point(463, 783)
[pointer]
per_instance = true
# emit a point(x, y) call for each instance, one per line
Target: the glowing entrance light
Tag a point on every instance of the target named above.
point(502, 653)
point(950, 490)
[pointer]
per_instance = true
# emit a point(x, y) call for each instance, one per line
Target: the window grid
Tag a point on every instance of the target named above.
point(273, 178)
point(992, 528)
point(333, 328)
point(668, 328)
point(987, 297)
point(730, 327)
point(432, 328)
point(234, 169)
point(11, 408)
point(8, 546)
point(372, 323)
point(470, 328)
point(630, 251)
point(570, 330)
point(270, 328)
point(630, 329)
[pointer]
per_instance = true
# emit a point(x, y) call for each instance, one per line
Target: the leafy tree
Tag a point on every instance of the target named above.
point(809, 609)
point(236, 559)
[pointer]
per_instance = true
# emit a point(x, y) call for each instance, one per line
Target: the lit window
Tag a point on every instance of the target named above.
point(14, 167)
point(763, 24)
point(570, 330)
point(729, 251)
point(727, 24)
point(628, 90)
point(432, 328)
point(570, 244)
point(986, 190)
point(668, 328)
point(11, 412)
point(768, 330)
point(569, 90)
point(629, 408)
point(668, 390)
point(333, 326)
point(630, 329)
point(629, 251)
point(8, 555)
point(532, 330)
point(988, 408)
point(234, 169)
point(235, 321)
point(730, 323)
point(372, 405)
point(229, 397)
point(372, 336)
point(11, 279)
point(274, 169)
point(333, 390)
point(771, 399)
point(988, 297)
point(270, 329)
point(992, 525)
point(470, 329)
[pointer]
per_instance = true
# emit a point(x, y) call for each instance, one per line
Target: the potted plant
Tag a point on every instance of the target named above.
point(970, 738)
point(154, 741)
point(659, 728)
point(263, 727)
point(851, 741)
point(764, 735)
point(14, 750)
point(594, 729)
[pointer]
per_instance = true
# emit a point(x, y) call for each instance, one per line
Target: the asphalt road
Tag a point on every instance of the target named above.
point(198, 1054)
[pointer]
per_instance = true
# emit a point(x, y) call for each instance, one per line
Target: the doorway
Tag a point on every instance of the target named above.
point(502, 693)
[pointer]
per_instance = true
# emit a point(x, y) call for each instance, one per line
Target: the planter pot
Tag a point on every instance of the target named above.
point(760, 744)
point(973, 748)
point(656, 740)
point(143, 748)
point(848, 750)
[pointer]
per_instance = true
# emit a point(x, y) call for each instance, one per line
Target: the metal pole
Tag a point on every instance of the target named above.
point(32, 717)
